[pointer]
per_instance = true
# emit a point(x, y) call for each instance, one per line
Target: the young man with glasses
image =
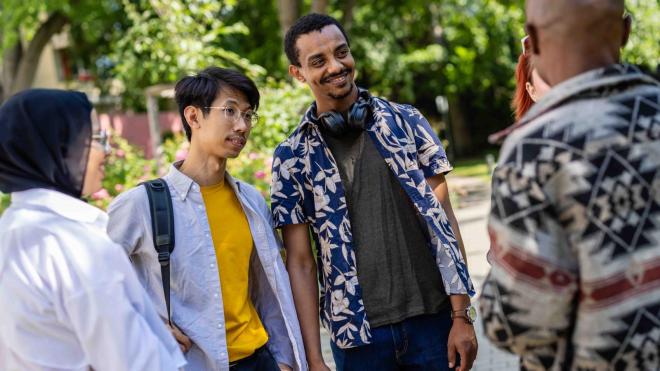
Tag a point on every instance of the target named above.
point(230, 296)
point(366, 176)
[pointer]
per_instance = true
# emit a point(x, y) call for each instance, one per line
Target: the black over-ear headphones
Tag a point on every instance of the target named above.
point(338, 124)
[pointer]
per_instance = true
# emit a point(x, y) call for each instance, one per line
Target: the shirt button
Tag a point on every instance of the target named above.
point(215, 295)
point(200, 207)
point(212, 265)
point(220, 326)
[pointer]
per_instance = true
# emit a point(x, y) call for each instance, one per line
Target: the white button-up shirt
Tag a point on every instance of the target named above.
point(196, 295)
point(70, 299)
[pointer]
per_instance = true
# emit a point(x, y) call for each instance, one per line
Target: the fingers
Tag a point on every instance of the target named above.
point(468, 352)
point(184, 341)
point(463, 352)
point(451, 354)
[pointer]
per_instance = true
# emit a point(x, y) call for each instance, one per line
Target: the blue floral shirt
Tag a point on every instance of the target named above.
point(306, 188)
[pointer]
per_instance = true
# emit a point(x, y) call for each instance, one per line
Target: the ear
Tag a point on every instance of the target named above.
point(530, 90)
point(533, 38)
point(294, 71)
point(192, 116)
point(627, 25)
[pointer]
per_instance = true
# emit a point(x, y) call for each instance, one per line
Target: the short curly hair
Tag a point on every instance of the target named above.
point(304, 25)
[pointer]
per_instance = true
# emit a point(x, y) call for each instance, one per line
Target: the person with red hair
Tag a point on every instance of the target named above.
point(530, 87)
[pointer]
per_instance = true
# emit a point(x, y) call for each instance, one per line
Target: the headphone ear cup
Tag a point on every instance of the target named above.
point(357, 115)
point(333, 122)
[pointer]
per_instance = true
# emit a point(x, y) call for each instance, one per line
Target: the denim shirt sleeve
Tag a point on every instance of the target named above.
point(286, 188)
point(431, 155)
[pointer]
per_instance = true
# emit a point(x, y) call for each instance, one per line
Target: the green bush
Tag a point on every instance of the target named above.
point(282, 105)
point(125, 168)
point(4, 202)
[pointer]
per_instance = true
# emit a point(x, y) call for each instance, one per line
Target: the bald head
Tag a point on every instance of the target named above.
point(563, 13)
point(569, 37)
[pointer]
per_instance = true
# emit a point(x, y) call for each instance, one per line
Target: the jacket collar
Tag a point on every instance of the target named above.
point(585, 83)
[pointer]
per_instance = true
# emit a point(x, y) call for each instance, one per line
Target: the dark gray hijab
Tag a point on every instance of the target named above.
point(45, 136)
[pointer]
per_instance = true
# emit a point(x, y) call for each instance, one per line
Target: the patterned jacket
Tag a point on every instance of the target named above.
point(306, 188)
point(575, 228)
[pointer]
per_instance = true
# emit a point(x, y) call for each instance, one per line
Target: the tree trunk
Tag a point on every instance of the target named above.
point(10, 62)
point(347, 17)
point(29, 61)
point(320, 6)
point(459, 127)
point(288, 12)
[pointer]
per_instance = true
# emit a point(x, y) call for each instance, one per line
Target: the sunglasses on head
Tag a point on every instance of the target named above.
point(526, 47)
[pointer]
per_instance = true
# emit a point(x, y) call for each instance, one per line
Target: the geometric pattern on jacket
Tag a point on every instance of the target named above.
point(575, 228)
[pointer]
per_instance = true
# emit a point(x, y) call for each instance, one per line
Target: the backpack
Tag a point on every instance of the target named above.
point(162, 228)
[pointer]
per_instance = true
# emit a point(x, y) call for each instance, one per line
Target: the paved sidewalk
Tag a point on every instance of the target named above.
point(472, 221)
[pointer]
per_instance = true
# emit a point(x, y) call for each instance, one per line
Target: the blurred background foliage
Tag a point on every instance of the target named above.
point(410, 51)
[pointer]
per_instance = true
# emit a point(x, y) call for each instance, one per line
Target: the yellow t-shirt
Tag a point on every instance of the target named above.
point(233, 248)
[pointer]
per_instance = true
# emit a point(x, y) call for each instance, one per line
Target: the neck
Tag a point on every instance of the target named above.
point(573, 63)
point(205, 170)
point(337, 105)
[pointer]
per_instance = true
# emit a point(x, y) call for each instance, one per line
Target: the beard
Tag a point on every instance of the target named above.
point(338, 96)
point(342, 95)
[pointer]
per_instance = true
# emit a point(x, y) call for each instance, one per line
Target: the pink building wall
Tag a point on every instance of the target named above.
point(134, 127)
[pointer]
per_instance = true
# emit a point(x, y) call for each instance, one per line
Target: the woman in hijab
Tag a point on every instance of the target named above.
point(70, 299)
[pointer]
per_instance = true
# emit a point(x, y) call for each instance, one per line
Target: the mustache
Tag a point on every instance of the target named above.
point(342, 72)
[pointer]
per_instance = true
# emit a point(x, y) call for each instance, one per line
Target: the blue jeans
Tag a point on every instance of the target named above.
point(260, 360)
point(417, 343)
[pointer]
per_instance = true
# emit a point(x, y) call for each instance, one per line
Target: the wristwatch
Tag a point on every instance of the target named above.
point(469, 314)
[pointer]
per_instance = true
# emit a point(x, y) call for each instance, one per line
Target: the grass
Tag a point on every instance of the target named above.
point(472, 167)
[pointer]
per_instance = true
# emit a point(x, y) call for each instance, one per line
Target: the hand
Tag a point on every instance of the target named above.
point(181, 338)
point(462, 340)
point(318, 366)
point(284, 367)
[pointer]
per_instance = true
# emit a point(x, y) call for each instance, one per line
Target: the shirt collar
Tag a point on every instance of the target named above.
point(588, 81)
point(61, 204)
point(183, 184)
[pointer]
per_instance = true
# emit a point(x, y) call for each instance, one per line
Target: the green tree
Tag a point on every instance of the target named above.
point(166, 39)
point(643, 46)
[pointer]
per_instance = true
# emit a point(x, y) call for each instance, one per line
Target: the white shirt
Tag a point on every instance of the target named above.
point(70, 299)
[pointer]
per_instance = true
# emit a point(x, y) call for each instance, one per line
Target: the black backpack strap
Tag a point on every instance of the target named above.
point(162, 228)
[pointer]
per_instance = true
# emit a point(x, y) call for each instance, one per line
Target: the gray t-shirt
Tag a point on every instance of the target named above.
point(396, 269)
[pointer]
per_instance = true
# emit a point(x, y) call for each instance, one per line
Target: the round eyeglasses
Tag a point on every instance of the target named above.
point(103, 139)
point(233, 114)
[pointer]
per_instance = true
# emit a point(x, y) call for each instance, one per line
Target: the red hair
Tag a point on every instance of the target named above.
point(522, 102)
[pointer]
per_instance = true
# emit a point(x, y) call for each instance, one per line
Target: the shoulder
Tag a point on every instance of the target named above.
point(290, 144)
point(24, 226)
point(132, 199)
point(70, 247)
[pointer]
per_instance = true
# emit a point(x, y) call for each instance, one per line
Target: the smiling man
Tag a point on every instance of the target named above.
point(367, 177)
point(231, 300)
